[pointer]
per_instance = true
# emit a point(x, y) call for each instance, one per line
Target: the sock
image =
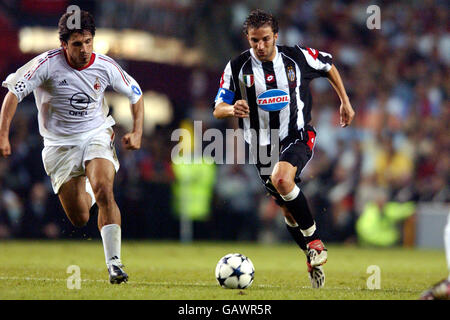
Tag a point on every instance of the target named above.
point(296, 234)
point(297, 205)
point(111, 236)
point(447, 243)
point(90, 191)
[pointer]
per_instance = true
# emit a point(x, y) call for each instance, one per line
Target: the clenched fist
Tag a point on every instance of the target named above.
point(346, 114)
point(132, 141)
point(5, 147)
point(241, 109)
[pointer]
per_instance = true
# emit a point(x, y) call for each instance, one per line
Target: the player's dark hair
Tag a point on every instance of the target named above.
point(258, 18)
point(65, 29)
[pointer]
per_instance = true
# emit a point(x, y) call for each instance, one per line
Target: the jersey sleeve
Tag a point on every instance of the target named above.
point(317, 63)
point(123, 83)
point(227, 87)
point(28, 77)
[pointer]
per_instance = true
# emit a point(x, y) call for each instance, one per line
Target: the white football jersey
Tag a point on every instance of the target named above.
point(71, 101)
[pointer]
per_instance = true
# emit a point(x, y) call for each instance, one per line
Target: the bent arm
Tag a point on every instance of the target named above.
point(133, 139)
point(137, 111)
point(9, 107)
point(345, 110)
point(223, 110)
point(336, 81)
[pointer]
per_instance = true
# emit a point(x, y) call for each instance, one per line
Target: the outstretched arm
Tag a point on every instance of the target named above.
point(346, 111)
point(7, 113)
point(132, 140)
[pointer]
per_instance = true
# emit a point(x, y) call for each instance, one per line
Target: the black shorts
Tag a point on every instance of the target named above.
point(297, 149)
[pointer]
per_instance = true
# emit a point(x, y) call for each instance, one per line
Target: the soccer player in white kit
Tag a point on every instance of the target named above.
point(79, 155)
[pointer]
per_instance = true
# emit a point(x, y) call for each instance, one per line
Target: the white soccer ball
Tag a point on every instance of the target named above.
point(235, 271)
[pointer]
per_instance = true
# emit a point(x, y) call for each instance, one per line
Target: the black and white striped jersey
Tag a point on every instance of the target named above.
point(277, 91)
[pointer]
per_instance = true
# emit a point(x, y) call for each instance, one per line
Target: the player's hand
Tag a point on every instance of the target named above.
point(346, 114)
point(132, 141)
point(5, 147)
point(241, 109)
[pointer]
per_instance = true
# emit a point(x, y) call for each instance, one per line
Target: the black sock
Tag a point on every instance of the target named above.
point(314, 236)
point(300, 211)
point(297, 236)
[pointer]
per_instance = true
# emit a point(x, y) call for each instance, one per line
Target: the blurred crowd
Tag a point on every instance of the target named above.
point(397, 148)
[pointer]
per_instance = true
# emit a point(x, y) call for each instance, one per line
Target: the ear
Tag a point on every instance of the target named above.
point(275, 36)
point(248, 39)
point(63, 44)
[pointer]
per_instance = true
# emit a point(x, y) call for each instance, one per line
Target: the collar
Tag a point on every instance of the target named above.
point(258, 62)
point(91, 61)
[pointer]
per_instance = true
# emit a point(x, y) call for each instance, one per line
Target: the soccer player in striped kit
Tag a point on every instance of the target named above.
point(266, 87)
point(79, 153)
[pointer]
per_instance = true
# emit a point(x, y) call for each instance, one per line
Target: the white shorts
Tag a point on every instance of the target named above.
point(65, 162)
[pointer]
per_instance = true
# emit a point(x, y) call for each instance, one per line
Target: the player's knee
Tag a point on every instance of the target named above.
point(283, 183)
point(80, 220)
point(103, 194)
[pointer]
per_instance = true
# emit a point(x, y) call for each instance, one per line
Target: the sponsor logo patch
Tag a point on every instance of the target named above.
point(80, 101)
point(270, 78)
point(20, 86)
point(136, 90)
point(273, 100)
point(63, 83)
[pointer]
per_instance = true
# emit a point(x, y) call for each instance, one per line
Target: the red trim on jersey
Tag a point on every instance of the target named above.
point(117, 66)
point(121, 73)
point(91, 61)
point(222, 80)
point(311, 139)
point(314, 55)
point(46, 58)
point(51, 52)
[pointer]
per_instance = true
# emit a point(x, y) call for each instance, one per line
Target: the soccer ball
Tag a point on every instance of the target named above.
point(235, 271)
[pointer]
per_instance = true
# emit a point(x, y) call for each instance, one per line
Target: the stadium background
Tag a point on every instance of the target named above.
point(395, 152)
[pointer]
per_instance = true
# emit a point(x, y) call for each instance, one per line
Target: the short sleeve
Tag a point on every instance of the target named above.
point(226, 81)
point(123, 83)
point(28, 77)
point(227, 86)
point(318, 63)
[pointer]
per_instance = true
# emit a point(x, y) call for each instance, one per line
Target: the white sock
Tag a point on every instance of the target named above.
point(90, 191)
point(447, 243)
point(111, 236)
point(309, 232)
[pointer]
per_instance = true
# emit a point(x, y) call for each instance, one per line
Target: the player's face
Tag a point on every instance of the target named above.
point(79, 48)
point(263, 40)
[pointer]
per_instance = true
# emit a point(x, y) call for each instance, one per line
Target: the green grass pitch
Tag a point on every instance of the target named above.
point(173, 271)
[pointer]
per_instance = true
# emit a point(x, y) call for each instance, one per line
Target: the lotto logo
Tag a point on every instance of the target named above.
point(270, 78)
